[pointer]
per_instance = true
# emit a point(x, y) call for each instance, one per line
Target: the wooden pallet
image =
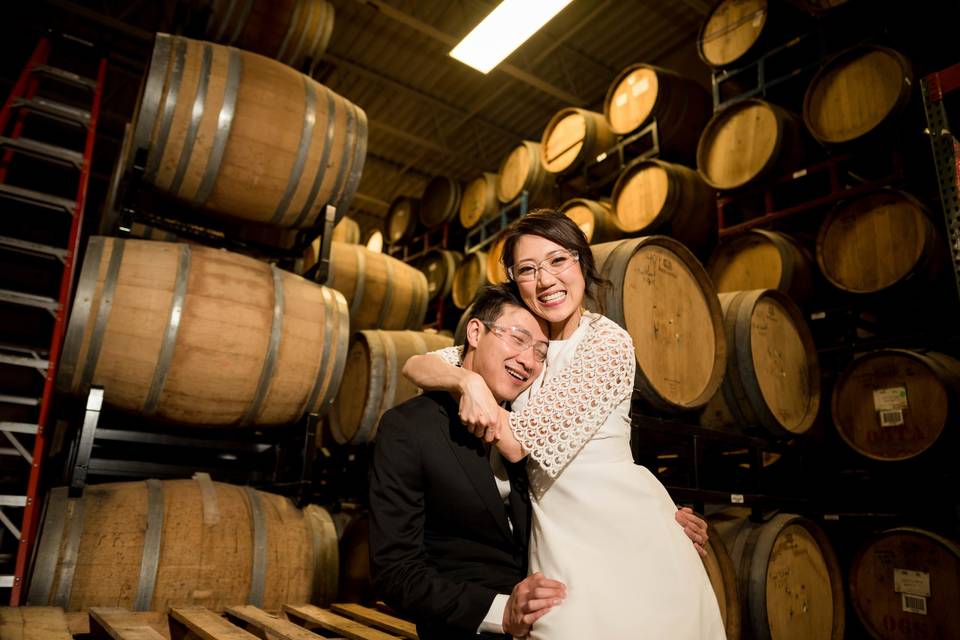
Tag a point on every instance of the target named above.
point(243, 622)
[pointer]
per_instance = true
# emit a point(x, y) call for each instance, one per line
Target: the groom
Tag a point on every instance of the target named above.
point(449, 519)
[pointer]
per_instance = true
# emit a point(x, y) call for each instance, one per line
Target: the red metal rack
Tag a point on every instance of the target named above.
point(28, 104)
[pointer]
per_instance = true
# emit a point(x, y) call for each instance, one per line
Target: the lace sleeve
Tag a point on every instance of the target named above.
point(572, 405)
point(451, 355)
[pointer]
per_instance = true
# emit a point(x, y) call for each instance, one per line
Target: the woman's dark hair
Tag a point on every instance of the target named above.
point(557, 227)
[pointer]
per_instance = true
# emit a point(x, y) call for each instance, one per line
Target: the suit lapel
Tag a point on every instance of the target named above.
point(470, 452)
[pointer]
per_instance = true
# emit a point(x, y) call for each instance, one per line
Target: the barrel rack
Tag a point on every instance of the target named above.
point(241, 622)
point(137, 202)
point(279, 458)
point(485, 232)
point(597, 176)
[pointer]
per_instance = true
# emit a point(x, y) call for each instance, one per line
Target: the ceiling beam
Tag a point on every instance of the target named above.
point(700, 6)
point(424, 143)
point(450, 41)
point(495, 95)
point(377, 203)
point(104, 20)
point(376, 76)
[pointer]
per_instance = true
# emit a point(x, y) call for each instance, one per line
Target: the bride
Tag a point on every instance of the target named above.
point(602, 525)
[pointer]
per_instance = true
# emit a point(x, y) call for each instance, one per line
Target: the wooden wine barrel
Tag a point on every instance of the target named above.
point(460, 333)
point(479, 200)
point(347, 230)
point(856, 92)
point(440, 266)
point(817, 7)
point(748, 142)
point(723, 579)
point(895, 404)
point(295, 32)
point(905, 584)
point(876, 241)
point(522, 171)
point(773, 375)
point(680, 105)
point(572, 137)
point(653, 196)
point(440, 201)
point(402, 219)
point(595, 219)
point(733, 31)
point(148, 232)
point(202, 336)
point(245, 136)
point(471, 275)
point(376, 384)
point(381, 292)
point(662, 296)
point(761, 259)
point(150, 545)
point(374, 241)
point(788, 576)
point(496, 273)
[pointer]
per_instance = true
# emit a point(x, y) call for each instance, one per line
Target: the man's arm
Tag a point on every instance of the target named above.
point(397, 558)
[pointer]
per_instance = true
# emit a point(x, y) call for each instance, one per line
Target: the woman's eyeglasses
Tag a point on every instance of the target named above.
point(520, 339)
point(556, 264)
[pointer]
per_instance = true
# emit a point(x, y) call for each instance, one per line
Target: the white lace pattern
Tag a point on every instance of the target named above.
point(573, 404)
point(451, 355)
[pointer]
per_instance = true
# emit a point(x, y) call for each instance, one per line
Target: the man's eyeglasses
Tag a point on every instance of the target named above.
point(555, 265)
point(520, 339)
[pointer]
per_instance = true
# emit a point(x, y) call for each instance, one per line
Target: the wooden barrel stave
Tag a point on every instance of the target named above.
point(760, 259)
point(878, 586)
point(749, 142)
point(201, 117)
point(496, 272)
point(855, 93)
point(440, 266)
point(440, 201)
point(572, 137)
point(895, 404)
point(150, 545)
point(653, 196)
point(380, 291)
point(373, 365)
point(479, 200)
point(521, 170)
point(788, 576)
point(595, 219)
point(347, 230)
point(402, 219)
point(879, 241)
point(677, 330)
point(643, 92)
point(773, 376)
point(471, 275)
point(294, 32)
point(196, 335)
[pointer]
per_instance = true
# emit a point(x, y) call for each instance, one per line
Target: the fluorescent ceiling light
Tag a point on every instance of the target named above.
point(506, 28)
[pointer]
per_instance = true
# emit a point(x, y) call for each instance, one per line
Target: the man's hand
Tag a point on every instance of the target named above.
point(531, 599)
point(479, 410)
point(695, 528)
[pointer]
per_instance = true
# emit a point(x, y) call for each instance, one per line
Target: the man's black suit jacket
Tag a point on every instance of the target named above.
point(440, 544)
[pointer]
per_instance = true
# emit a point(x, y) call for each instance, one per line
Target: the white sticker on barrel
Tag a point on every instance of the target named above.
point(621, 99)
point(916, 583)
point(758, 19)
point(913, 604)
point(819, 315)
point(736, 498)
point(890, 399)
point(799, 174)
point(892, 418)
point(641, 87)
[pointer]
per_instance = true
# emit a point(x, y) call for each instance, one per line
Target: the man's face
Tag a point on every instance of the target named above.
point(505, 368)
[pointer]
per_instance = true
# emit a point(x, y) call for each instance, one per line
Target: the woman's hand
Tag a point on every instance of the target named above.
point(695, 528)
point(479, 410)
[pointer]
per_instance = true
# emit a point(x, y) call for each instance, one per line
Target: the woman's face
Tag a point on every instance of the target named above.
point(555, 298)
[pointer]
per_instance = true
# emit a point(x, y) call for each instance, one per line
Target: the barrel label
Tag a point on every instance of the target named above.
point(915, 583)
point(914, 604)
point(890, 399)
point(892, 418)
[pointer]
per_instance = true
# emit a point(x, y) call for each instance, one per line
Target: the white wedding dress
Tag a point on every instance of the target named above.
point(603, 525)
